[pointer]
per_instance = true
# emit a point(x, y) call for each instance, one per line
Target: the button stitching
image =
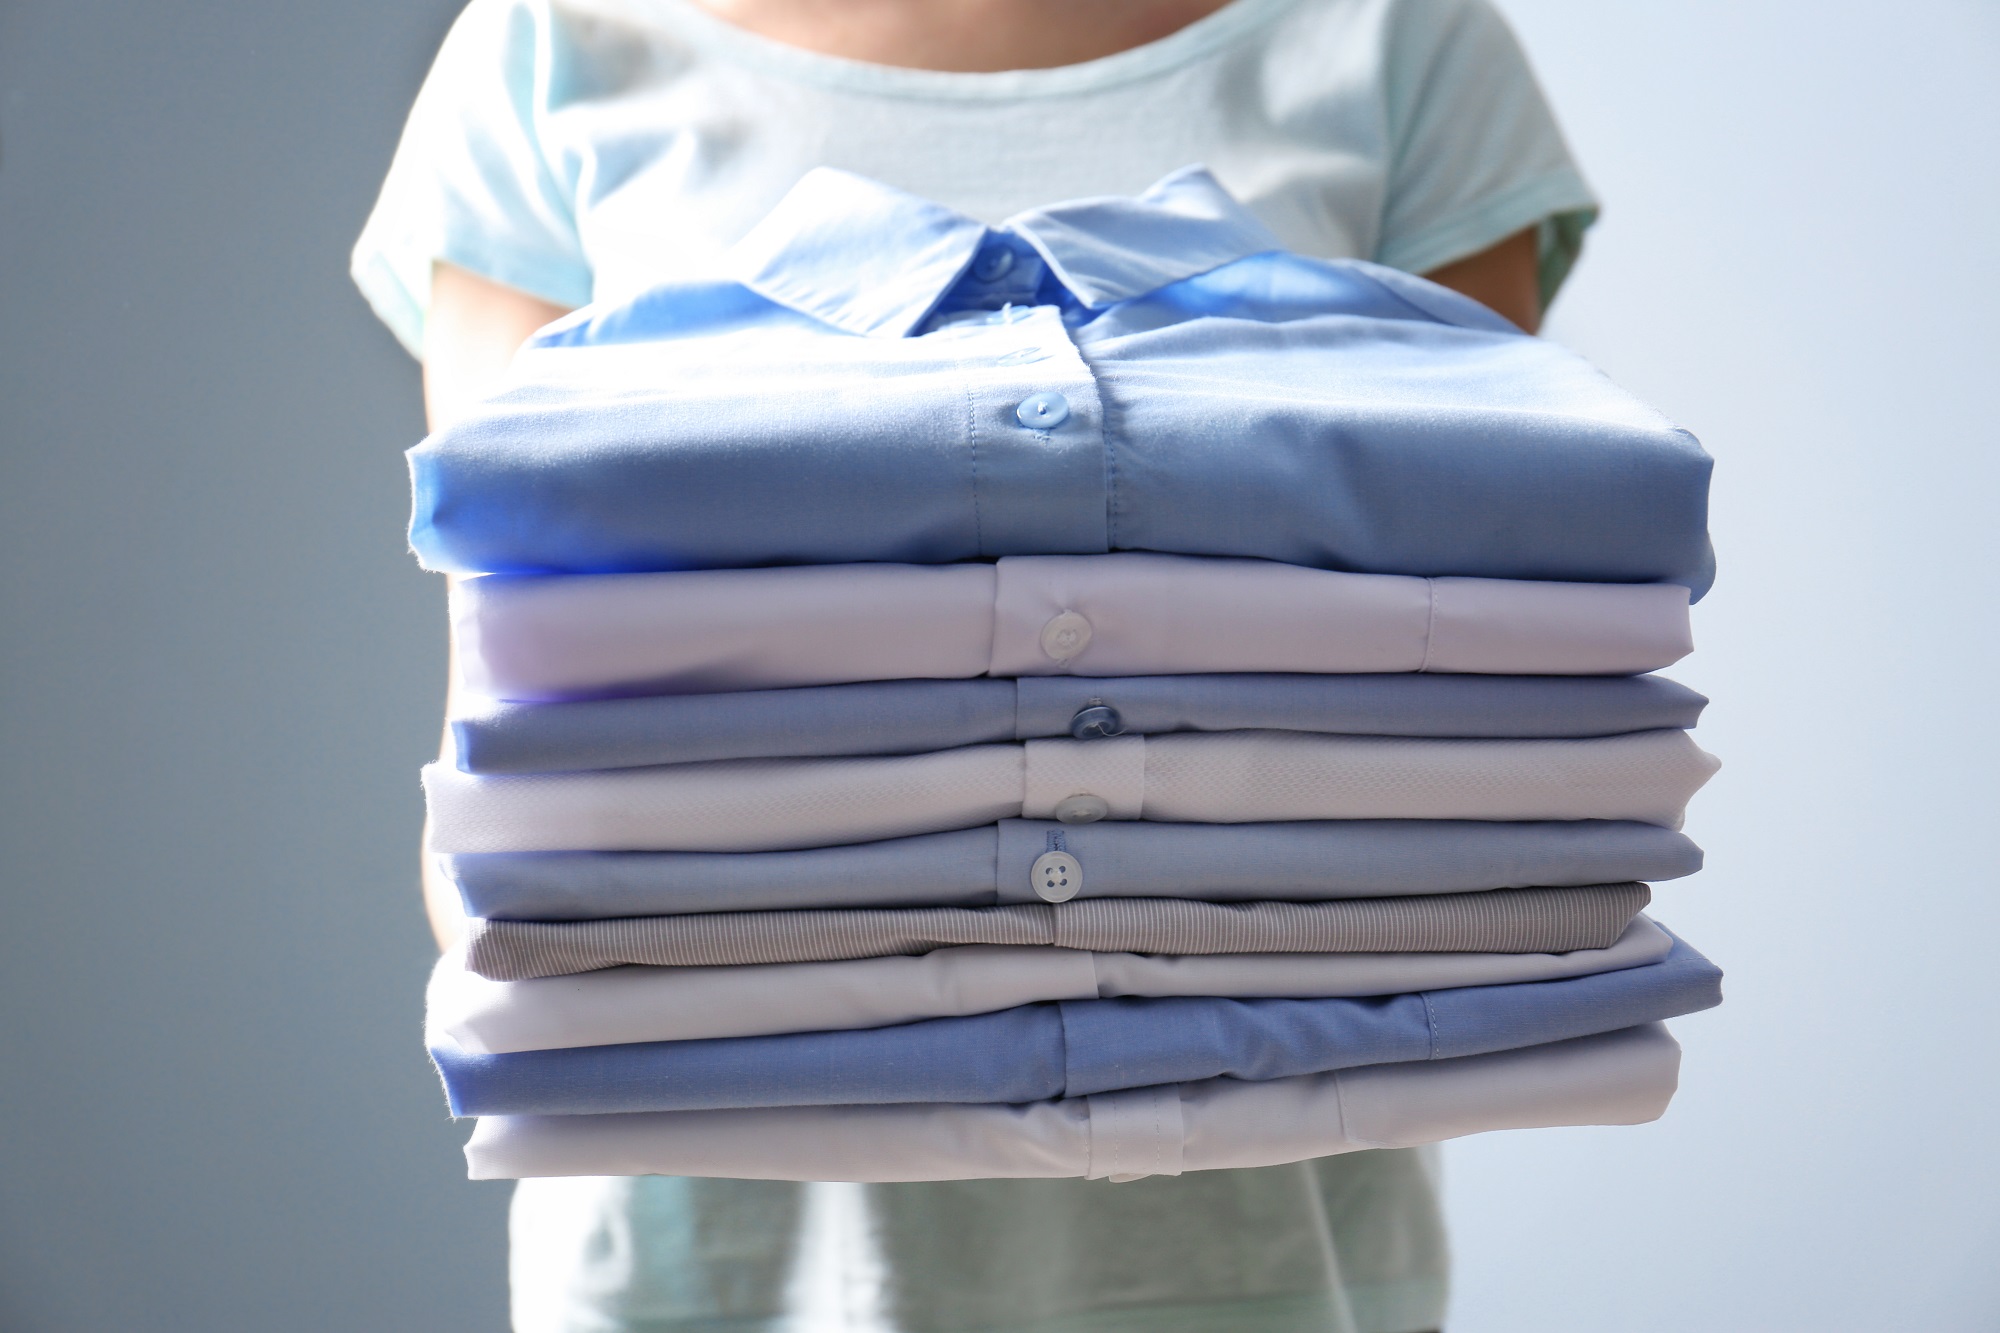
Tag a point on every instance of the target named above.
point(1042, 411)
point(1066, 636)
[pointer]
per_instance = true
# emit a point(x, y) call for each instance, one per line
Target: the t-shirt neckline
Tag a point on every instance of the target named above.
point(768, 55)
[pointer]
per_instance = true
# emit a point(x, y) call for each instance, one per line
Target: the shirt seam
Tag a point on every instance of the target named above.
point(972, 459)
point(1430, 621)
point(1107, 454)
point(1062, 1027)
point(999, 862)
point(1157, 1158)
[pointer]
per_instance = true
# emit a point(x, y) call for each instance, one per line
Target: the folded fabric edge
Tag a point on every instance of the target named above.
point(452, 1021)
point(1625, 1077)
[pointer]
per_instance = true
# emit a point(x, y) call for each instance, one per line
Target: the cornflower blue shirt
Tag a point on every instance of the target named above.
point(870, 376)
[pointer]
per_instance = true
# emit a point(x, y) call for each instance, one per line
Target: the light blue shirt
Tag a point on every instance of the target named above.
point(1074, 1047)
point(868, 376)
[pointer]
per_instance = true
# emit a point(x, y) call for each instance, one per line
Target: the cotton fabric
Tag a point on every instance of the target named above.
point(1140, 374)
point(912, 716)
point(1165, 422)
point(1304, 860)
point(603, 130)
point(1225, 777)
point(1355, 1241)
point(1073, 1047)
point(572, 150)
point(741, 629)
point(1497, 921)
point(637, 1004)
point(1617, 1078)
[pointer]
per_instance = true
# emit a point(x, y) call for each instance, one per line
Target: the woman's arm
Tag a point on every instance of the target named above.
point(474, 328)
point(1505, 278)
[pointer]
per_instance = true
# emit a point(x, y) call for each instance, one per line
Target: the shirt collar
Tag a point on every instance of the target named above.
point(873, 260)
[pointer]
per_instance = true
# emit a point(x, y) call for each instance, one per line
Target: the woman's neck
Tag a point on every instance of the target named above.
point(965, 36)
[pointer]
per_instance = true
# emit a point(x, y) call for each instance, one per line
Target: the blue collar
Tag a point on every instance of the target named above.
point(873, 260)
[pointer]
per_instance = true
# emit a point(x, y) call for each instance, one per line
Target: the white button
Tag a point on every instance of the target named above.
point(1082, 808)
point(1056, 876)
point(1066, 636)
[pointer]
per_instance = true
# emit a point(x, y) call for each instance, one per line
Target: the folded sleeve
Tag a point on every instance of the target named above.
point(475, 181)
point(1475, 152)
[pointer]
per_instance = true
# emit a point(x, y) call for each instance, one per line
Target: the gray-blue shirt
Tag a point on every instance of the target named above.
point(1302, 861)
point(917, 716)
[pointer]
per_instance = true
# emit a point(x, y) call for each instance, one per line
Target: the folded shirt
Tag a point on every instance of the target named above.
point(912, 716)
point(1305, 860)
point(1111, 615)
point(741, 805)
point(1493, 921)
point(1072, 1048)
point(1177, 398)
point(637, 1004)
point(1616, 1078)
point(1496, 921)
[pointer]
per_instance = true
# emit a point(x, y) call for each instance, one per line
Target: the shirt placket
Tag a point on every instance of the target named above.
point(1034, 423)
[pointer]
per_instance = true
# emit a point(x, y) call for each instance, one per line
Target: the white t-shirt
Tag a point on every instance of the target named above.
point(585, 150)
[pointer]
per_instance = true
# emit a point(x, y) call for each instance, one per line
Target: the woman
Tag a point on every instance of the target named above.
point(562, 153)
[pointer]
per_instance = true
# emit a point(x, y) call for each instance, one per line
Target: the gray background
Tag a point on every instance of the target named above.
point(221, 672)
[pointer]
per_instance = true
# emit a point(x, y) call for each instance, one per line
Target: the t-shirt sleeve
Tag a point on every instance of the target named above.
point(1475, 153)
point(472, 182)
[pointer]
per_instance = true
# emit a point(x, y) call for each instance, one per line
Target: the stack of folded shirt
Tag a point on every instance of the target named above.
point(1098, 696)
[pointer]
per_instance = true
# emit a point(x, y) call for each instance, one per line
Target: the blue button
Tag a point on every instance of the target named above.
point(1096, 720)
point(1043, 411)
point(993, 264)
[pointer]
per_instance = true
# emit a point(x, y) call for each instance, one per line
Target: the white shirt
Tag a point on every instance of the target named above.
point(1228, 777)
point(628, 1004)
point(1081, 615)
